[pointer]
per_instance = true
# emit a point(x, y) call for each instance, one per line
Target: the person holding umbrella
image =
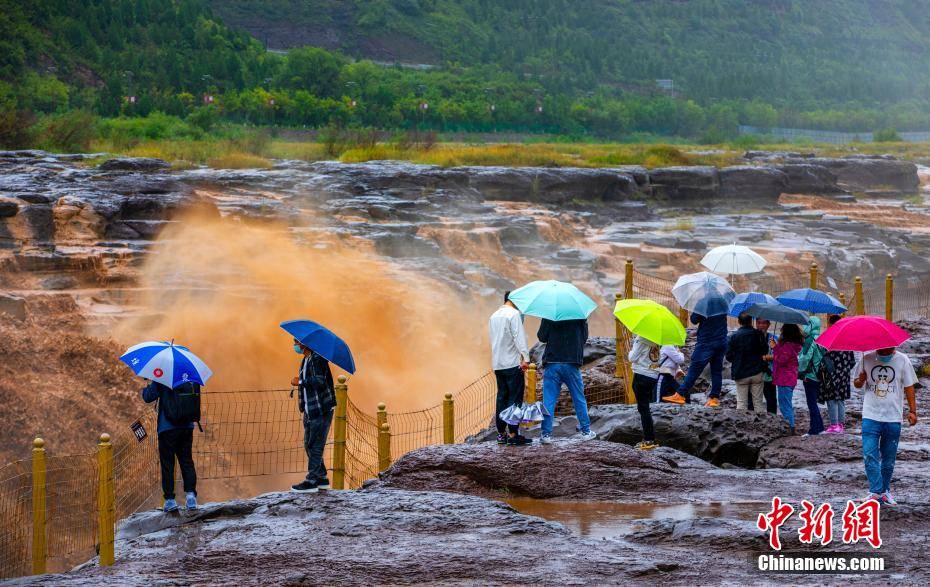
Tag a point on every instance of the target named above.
point(809, 373)
point(835, 376)
point(888, 376)
point(653, 324)
point(746, 351)
point(785, 369)
point(564, 310)
point(708, 297)
point(316, 398)
point(175, 375)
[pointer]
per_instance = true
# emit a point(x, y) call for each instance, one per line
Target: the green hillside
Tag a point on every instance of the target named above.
point(68, 67)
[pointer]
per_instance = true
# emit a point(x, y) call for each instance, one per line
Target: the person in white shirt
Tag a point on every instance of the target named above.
point(510, 359)
point(644, 358)
point(888, 376)
point(670, 360)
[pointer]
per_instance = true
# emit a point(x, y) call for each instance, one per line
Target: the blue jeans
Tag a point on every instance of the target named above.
point(836, 408)
point(554, 375)
point(785, 395)
point(879, 451)
point(702, 355)
point(811, 391)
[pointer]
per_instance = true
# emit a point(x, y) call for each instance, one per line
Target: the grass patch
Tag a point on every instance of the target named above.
point(239, 161)
point(681, 224)
point(915, 200)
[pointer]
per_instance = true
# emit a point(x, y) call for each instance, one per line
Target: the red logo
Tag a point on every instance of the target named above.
point(158, 372)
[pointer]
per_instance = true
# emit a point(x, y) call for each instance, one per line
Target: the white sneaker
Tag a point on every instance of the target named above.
point(874, 497)
point(591, 435)
point(886, 499)
point(545, 439)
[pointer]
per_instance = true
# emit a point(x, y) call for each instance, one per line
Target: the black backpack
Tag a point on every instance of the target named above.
point(181, 405)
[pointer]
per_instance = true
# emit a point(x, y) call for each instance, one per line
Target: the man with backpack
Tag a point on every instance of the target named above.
point(178, 410)
point(316, 401)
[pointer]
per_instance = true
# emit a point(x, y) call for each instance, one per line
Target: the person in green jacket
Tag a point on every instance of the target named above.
point(809, 372)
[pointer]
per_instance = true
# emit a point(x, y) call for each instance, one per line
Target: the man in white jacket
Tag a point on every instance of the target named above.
point(510, 359)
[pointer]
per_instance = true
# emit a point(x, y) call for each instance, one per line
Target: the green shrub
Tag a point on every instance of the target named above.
point(71, 131)
point(887, 135)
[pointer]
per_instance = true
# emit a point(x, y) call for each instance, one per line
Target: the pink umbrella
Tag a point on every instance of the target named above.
point(862, 333)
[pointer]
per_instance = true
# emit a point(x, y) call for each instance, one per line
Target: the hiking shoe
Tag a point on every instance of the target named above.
point(887, 499)
point(323, 483)
point(305, 487)
point(589, 435)
point(646, 445)
point(501, 439)
point(712, 403)
point(545, 439)
point(677, 398)
point(518, 441)
point(170, 506)
point(191, 501)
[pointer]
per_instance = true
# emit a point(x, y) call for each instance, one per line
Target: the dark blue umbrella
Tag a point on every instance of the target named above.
point(321, 340)
point(811, 300)
point(777, 313)
point(742, 301)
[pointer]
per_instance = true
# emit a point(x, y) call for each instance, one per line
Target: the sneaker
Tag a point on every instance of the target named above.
point(170, 506)
point(589, 435)
point(323, 483)
point(887, 499)
point(874, 497)
point(646, 445)
point(501, 439)
point(677, 398)
point(712, 403)
point(518, 441)
point(545, 439)
point(831, 429)
point(840, 429)
point(305, 487)
point(191, 502)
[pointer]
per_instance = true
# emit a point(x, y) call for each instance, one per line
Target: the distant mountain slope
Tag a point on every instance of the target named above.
point(803, 53)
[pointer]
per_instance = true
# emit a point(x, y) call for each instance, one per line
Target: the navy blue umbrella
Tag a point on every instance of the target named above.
point(811, 300)
point(777, 313)
point(321, 340)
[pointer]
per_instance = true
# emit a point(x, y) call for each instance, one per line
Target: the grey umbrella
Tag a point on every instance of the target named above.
point(777, 313)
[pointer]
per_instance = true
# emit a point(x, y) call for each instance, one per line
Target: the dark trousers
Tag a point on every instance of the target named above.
point(667, 386)
point(811, 391)
point(315, 432)
point(176, 444)
point(644, 388)
point(510, 388)
point(771, 397)
point(700, 358)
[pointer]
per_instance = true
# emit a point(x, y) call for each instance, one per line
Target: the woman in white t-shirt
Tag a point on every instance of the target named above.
point(888, 376)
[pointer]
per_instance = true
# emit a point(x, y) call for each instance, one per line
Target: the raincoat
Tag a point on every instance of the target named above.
point(811, 353)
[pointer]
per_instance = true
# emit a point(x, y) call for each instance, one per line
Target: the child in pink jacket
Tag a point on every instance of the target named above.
point(785, 369)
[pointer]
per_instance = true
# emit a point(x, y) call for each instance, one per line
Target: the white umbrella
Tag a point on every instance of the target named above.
point(733, 260)
point(703, 293)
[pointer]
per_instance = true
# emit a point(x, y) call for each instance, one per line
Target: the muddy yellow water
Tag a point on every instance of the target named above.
point(605, 518)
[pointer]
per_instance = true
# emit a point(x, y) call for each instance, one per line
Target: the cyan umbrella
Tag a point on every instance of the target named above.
point(703, 293)
point(167, 363)
point(742, 301)
point(812, 300)
point(553, 300)
point(777, 313)
point(321, 340)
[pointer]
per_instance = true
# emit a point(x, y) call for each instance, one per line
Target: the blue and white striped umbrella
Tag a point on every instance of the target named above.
point(166, 363)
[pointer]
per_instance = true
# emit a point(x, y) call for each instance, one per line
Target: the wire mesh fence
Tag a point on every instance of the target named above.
point(15, 519)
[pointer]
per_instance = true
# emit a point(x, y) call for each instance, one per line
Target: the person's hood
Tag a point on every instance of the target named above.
point(811, 330)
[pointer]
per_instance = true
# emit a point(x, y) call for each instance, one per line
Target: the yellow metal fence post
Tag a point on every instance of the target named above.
point(339, 434)
point(618, 369)
point(384, 439)
point(814, 270)
point(106, 498)
point(628, 280)
point(529, 393)
point(860, 302)
point(843, 301)
point(683, 316)
point(889, 297)
point(448, 420)
point(39, 536)
point(384, 447)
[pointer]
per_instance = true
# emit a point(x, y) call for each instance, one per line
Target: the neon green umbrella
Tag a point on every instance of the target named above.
point(650, 320)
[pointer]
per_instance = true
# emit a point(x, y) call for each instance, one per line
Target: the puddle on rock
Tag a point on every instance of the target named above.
point(598, 519)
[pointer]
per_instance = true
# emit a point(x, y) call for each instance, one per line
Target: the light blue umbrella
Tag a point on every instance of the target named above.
point(811, 300)
point(742, 301)
point(553, 300)
point(703, 293)
point(166, 363)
